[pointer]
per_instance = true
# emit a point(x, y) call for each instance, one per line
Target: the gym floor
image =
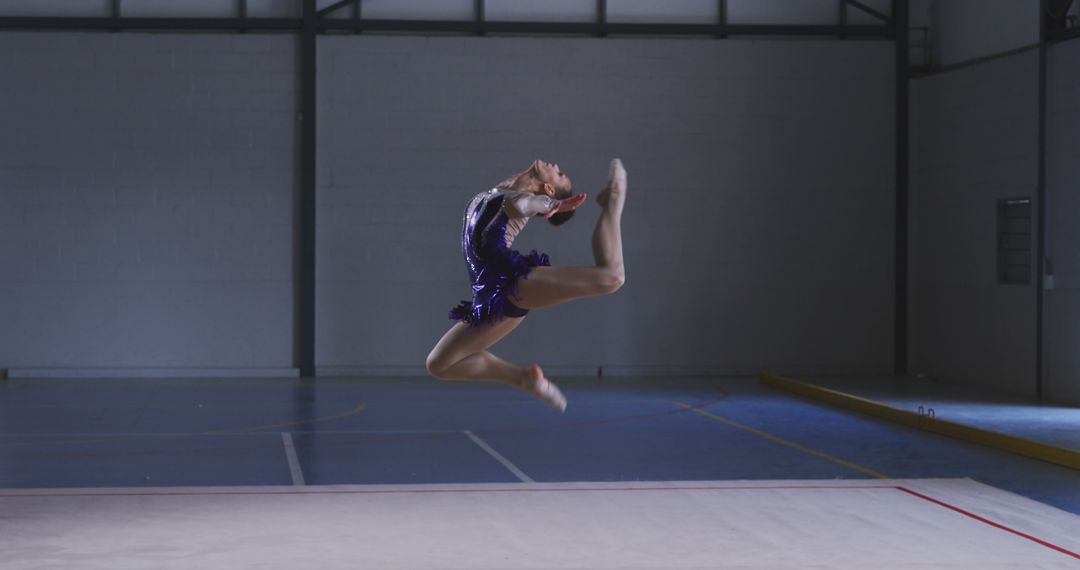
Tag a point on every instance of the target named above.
point(335, 431)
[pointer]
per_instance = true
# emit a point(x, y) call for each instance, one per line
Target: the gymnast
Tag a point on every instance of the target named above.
point(506, 284)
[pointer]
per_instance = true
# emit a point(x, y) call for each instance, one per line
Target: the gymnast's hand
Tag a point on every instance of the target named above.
point(567, 205)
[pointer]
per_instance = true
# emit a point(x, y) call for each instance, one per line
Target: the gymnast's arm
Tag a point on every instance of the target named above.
point(526, 205)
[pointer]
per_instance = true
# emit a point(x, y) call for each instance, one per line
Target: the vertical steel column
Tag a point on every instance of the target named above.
point(306, 306)
point(900, 312)
point(601, 15)
point(479, 14)
point(723, 17)
point(115, 9)
point(843, 16)
point(1040, 240)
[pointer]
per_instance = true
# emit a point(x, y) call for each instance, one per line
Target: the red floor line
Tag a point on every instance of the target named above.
point(423, 491)
point(990, 522)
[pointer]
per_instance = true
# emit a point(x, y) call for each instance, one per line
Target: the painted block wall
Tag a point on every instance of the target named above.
point(975, 140)
point(148, 182)
point(758, 231)
point(146, 200)
point(1062, 304)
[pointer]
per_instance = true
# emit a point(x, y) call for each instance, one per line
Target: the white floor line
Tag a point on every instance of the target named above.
point(294, 462)
point(498, 457)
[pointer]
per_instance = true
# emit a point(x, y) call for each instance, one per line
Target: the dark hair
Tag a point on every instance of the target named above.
point(560, 218)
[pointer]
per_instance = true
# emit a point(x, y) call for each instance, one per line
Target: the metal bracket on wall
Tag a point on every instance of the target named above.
point(867, 9)
point(335, 6)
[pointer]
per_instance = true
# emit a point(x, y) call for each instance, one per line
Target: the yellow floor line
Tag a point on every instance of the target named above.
point(1018, 445)
point(783, 441)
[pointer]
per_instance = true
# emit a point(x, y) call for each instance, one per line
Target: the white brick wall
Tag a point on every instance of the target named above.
point(976, 140)
point(758, 232)
point(146, 189)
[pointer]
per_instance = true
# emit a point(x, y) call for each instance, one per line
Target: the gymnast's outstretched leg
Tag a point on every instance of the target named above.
point(547, 286)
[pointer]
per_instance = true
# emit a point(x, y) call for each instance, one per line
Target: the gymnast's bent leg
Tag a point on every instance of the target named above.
point(461, 354)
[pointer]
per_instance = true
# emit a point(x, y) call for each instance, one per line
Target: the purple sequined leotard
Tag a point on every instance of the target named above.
point(492, 220)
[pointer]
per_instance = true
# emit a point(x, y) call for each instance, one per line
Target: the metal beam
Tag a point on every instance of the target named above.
point(203, 24)
point(598, 29)
point(306, 289)
point(1040, 239)
point(440, 26)
point(901, 254)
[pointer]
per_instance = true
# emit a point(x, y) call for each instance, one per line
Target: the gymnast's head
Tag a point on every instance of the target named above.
point(545, 178)
point(551, 179)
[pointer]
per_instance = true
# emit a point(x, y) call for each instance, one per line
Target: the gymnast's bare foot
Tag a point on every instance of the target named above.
point(542, 388)
point(616, 185)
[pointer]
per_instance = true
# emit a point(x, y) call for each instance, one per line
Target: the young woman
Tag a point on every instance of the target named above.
point(507, 285)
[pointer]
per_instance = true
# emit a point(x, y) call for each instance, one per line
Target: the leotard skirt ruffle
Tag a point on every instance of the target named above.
point(495, 285)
